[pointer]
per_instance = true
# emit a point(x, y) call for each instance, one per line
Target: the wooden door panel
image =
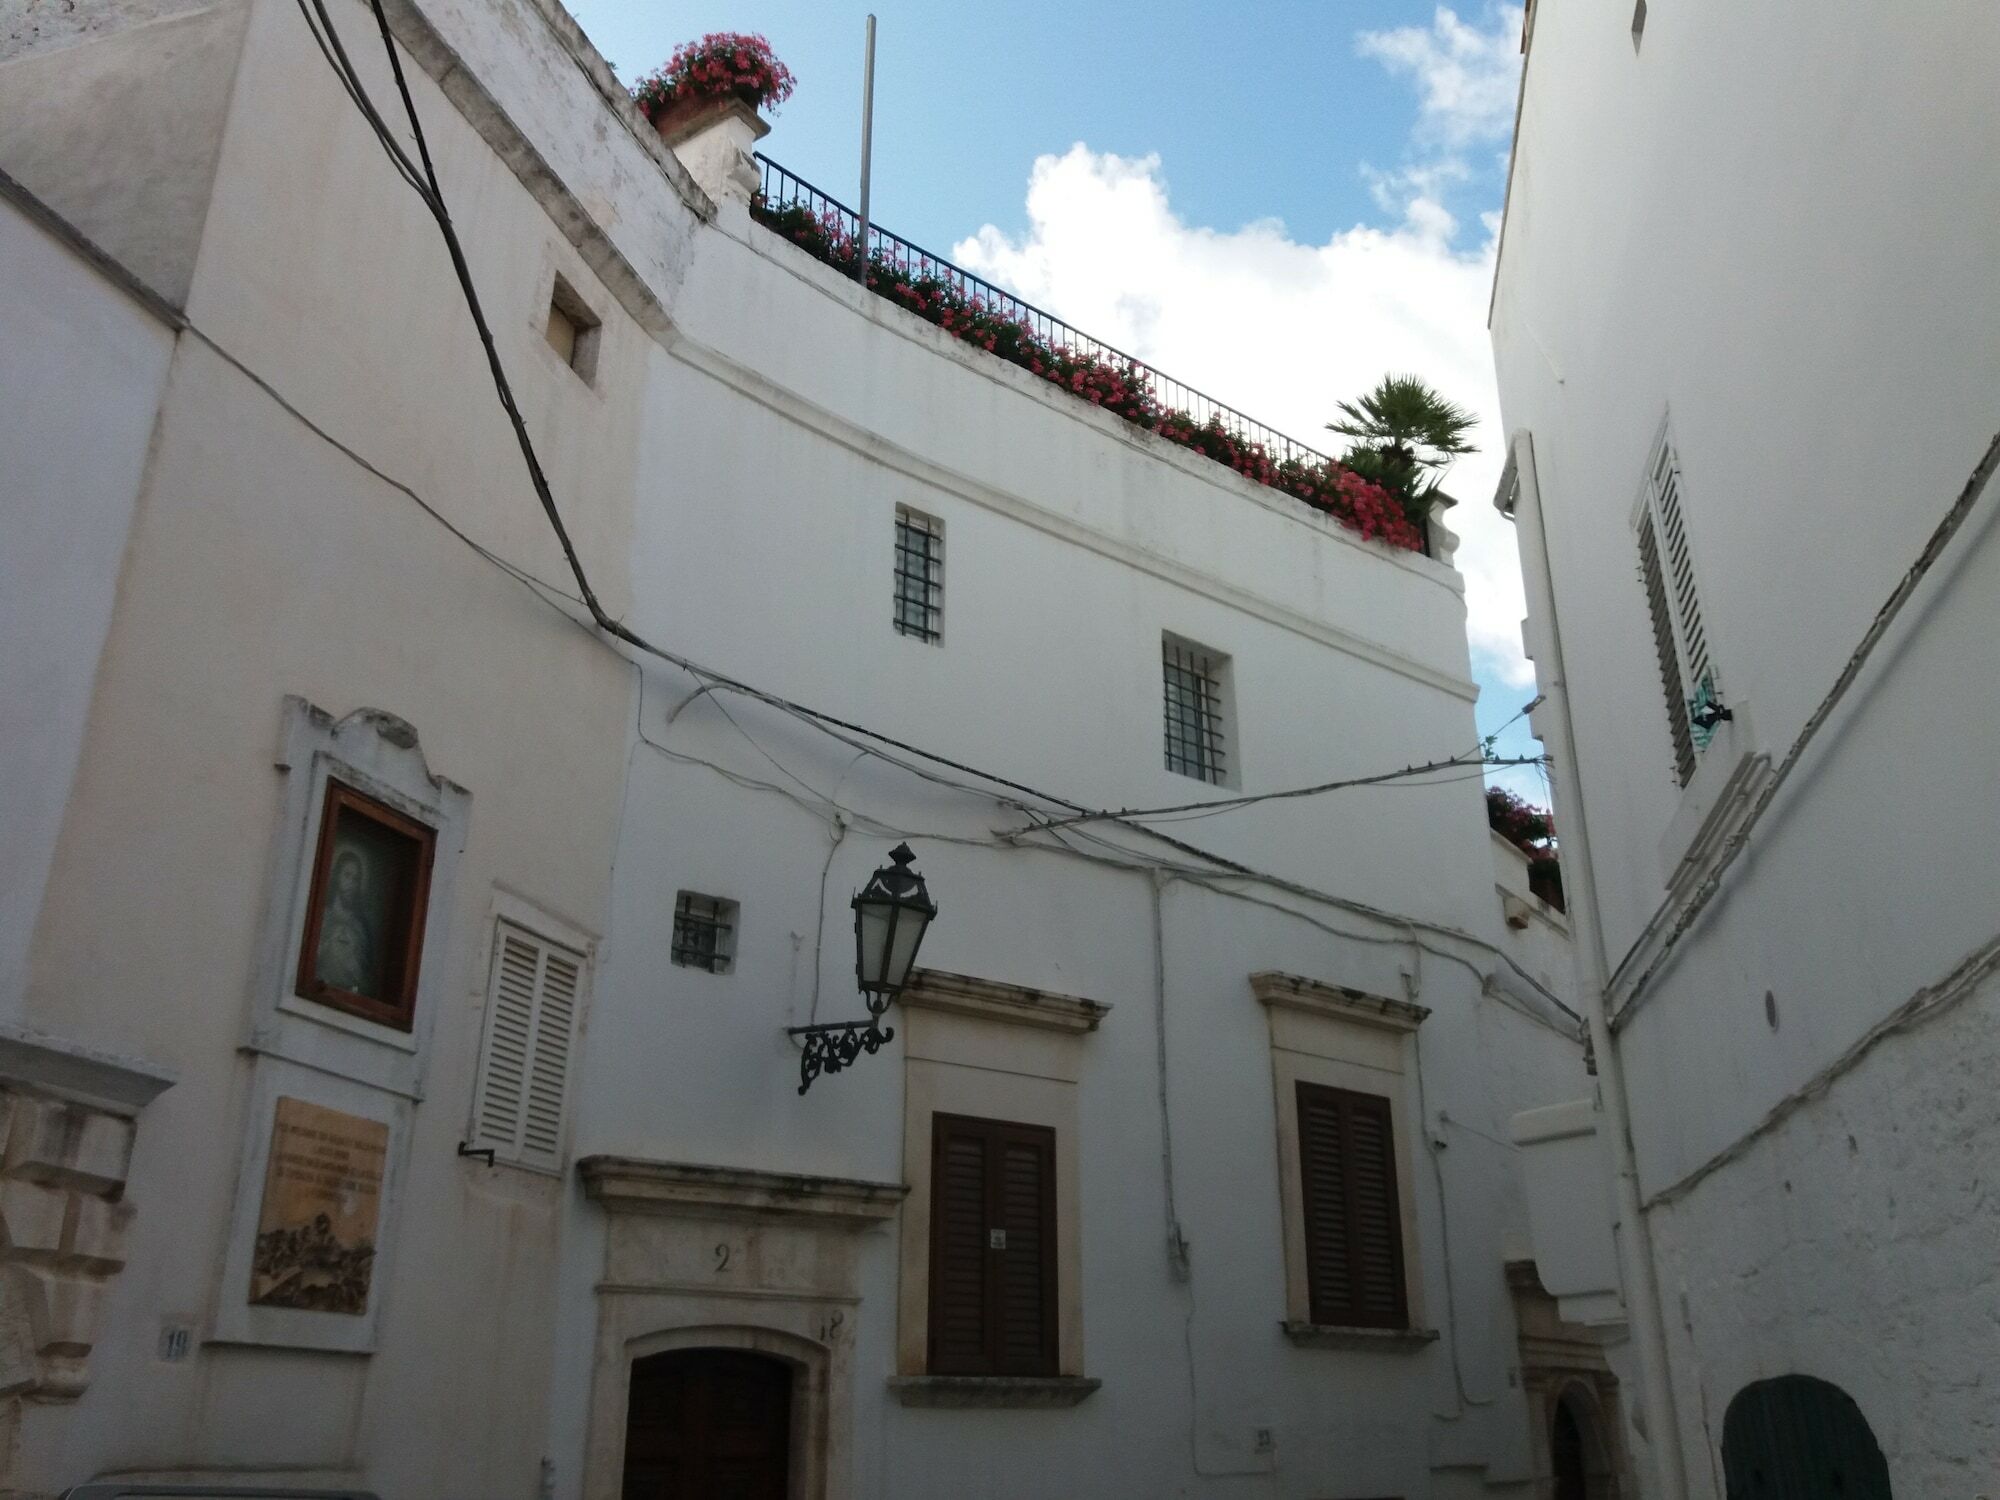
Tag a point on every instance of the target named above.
point(708, 1424)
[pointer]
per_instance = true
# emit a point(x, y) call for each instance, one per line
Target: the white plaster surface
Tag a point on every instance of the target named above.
point(72, 477)
point(730, 481)
point(1760, 222)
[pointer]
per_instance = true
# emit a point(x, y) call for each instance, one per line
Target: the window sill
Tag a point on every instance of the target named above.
point(1728, 774)
point(996, 1391)
point(1375, 1340)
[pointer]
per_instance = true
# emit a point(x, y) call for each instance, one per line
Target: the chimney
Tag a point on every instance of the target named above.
point(714, 139)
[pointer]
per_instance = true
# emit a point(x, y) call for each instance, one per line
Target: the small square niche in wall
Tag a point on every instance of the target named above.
point(572, 330)
point(1638, 23)
point(704, 932)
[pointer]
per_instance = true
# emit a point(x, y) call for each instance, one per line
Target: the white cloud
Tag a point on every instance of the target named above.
point(1278, 329)
point(1467, 78)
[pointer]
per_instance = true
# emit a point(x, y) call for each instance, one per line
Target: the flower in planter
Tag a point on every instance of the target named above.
point(1113, 384)
point(1517, 820)
point(722, 65)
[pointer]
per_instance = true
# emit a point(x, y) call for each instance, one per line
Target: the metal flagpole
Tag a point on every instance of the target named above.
point(867, 147)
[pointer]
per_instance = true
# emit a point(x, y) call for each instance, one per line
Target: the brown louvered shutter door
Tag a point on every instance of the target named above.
point(958, 1335)
point(1353, 1218)
point(993, 1284)
point(1024, 1213)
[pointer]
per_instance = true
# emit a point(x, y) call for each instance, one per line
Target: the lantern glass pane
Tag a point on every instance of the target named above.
point(909, 931)
point(872, 920)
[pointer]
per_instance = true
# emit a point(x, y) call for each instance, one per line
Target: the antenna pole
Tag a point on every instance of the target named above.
point(867, 147)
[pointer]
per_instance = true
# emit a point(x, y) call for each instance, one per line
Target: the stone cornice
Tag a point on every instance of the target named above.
point(990, 1000)
point(1336, 1001)
point(71, 1070)
point(629, 1184)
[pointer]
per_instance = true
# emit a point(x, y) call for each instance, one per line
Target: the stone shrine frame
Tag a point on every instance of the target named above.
point(377, 756)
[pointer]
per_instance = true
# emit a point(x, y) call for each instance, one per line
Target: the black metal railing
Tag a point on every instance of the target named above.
point(782, 190)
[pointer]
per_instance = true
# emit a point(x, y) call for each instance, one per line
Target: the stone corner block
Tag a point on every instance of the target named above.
point(68, 1145)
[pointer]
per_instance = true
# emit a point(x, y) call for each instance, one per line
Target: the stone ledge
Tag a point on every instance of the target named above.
point(1016, 1392)
point(990, 1000)
point(1315, 998)
point(78, 1073)
point(635, 1185)
point(1359, 1340)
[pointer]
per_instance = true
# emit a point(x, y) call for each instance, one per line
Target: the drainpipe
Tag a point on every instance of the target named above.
point(1635, 1240)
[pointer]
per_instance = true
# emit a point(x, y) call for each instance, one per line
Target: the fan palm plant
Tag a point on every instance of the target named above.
point(1405, 435)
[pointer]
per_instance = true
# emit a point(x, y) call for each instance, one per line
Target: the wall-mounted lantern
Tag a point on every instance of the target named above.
point(891, 914)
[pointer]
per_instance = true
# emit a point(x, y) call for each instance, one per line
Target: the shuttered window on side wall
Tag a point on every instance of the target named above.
point(1654, 578)
point(993, 1267)
point(520, 1100)
point(1680, 637)
point(1353, 1216)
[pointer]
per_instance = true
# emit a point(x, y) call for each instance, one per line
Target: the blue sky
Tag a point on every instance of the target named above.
point(1257, 110)
point(1276, 202)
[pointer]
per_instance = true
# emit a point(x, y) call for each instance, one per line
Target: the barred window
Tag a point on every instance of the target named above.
point(919, 575)
point(1195, 741)
point(704, 932)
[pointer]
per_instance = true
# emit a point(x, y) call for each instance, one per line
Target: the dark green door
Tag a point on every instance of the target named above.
point(1797, 1438)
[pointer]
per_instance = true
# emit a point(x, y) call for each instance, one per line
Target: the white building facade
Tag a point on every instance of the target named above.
point(1748, 359)
point(399, 972)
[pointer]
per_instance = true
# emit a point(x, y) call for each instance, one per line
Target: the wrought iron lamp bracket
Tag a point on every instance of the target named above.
point(833, 1045)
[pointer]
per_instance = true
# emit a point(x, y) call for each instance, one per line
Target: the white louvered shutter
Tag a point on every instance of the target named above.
point(1666, 570)
point(523, 1087)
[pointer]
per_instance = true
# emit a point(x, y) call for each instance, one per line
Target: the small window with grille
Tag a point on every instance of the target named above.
point(704, 932)
point(1196, 733)
point(919, 575)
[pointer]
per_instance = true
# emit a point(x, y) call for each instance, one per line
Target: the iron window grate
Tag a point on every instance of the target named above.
point(704, 932)
point(919, 575)
point(1194, 712)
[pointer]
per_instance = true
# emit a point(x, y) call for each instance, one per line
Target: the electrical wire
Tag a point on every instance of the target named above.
point(1229, 804)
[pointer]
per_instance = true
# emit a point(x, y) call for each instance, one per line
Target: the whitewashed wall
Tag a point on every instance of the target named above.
point(265, 561)
point(787, 421)
point(1770, 223)
point(730, 481)
point(65, 510)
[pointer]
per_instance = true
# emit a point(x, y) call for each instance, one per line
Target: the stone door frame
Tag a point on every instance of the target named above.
point(786, 1288)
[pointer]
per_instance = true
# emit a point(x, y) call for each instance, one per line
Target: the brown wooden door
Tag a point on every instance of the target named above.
point(708, 1424)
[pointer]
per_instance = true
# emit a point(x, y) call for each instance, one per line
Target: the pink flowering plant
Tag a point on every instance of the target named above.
point(722, 65)
point(1532, 830)
point(1121, 387)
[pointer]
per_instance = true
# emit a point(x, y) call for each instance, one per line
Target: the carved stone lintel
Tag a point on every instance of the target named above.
point(634, 1185)
point(990, 1000)
point(1337, 1001)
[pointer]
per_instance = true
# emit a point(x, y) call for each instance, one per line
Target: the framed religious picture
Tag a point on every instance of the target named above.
point(364, 928)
